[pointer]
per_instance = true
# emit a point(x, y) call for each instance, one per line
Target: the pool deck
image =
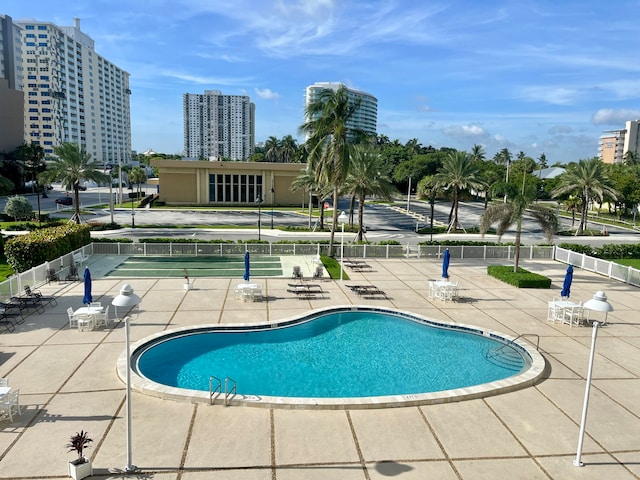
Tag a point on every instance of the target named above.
point(68, 382)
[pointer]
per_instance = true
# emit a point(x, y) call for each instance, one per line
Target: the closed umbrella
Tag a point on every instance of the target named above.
point(566, 286)
point(246, 266)
point(87, 286)
point(445, 263)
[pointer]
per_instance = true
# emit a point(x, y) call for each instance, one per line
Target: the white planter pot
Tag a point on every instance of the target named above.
point(79, 470)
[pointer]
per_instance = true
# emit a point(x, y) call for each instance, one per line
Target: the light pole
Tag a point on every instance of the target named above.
point(38, 194)
point(409, 195)
point(342, 218)
point(598, 303)
point(133, 213)
point(432, 202)
point(272, 199)
point(127, 299)
point(259, 202)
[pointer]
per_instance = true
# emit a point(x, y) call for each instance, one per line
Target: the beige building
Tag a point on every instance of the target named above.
point(11, 117)
point(191, 182)
point(614, 144)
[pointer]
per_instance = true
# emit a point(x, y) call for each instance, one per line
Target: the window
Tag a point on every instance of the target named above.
point(42, 27)
point(29, 27)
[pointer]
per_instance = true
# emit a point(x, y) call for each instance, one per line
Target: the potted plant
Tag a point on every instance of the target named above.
point(187, 285)
point(81, 466)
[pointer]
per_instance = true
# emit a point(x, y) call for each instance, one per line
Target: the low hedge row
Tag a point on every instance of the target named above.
point(39, 246)
point(521, 279)
point(608, 251)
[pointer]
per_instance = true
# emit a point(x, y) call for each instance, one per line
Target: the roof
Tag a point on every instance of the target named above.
point(551, 172)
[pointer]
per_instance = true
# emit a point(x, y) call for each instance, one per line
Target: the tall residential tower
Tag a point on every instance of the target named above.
point(72, 94)
point(365, 117)
point(218, 126)
point(614, 144)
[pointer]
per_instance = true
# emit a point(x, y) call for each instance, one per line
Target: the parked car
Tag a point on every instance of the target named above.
point(82, 188)
point(64, 201)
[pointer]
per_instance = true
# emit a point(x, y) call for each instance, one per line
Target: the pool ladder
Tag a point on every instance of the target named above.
point(217, 390)
point(508, 357)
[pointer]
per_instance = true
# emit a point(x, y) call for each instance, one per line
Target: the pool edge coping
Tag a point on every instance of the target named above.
point(516, 382)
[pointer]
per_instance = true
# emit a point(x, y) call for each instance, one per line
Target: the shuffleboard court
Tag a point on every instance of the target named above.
point(213, 266)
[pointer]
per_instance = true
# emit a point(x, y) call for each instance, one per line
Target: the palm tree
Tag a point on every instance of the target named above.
point(588, 181)
point(307, 182)
point(459, 173)
point(138, 176)
point(272, 149)
point(288, 149)
point(506, 214)
point(365, 179)
point(32, 157)
point(478, 153)
point(330, 141)
point(70, 165)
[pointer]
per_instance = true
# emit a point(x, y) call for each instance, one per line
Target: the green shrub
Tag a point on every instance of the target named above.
point(521, 279)
point(389, 242)
point(45, 244)
point(111, 240)
point(97, 227)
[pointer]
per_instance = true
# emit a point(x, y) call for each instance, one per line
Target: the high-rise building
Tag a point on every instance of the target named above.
point(366, 116)
point(614, 144)
point(11, 95)
point(72, 94)
point(218, 126)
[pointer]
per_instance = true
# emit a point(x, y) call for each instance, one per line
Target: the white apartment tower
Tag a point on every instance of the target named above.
point(366, 116)
point(218, 126)
point(614, 144)
point(72, 94)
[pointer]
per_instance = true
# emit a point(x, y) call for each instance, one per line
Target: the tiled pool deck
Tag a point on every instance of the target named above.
point(68, 382)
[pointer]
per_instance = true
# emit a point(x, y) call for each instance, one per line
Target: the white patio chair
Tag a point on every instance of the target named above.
point(432, 289)
point(573, 315)
point(11, 402)
point(101, 319)
point(95, 305)
point(247, 295)
point(451, 292)
point(85, 322)
point(4, 382)
point(73, 320)
point(256, 294)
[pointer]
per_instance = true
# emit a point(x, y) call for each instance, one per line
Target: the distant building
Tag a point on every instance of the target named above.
point(11, 95)
point(365, 118)
point(547, 173)
point(217, 126)
point(72, 94)
point(614, 144)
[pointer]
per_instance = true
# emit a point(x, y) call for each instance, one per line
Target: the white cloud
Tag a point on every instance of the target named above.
point(609, 116)
point(266, 94)
point(560, 130)
point(551, 94)
point(464, 131)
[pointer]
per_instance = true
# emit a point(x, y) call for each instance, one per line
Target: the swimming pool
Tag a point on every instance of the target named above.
point(335, 357)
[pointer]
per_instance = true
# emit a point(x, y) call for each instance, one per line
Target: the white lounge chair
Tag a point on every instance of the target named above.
point(11, 402)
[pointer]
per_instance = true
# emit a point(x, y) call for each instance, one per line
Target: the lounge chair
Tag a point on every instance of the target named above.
point(72, 276)
point(36, 294)
point(297, 272)
point(52, 276)
point(319, 273)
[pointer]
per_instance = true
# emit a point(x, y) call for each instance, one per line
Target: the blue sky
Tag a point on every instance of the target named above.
point(537, 76)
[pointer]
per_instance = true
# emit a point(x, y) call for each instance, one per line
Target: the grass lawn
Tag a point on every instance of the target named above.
point(629, 262)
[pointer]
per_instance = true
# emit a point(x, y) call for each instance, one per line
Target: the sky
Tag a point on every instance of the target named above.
point(535, 76)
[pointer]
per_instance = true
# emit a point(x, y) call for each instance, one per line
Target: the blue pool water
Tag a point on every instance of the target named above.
point(346, 354)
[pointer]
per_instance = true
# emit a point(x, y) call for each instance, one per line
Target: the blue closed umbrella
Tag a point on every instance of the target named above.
point(445, 263)
point(246, 266)
point(87, 286)
point(566, 286)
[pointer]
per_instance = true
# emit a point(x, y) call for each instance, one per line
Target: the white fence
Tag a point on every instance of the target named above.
point(603, 267)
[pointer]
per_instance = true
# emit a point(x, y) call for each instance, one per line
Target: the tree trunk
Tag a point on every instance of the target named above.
point(352, 204)
point(516, 256)
point(335, 218)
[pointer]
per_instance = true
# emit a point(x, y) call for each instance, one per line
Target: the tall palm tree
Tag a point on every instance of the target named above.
point(587, 180)
point(70, 165)
point(138, 176)
point(458, 174)
point(307, 182)
point(365, 179)
point(477, 153)
point(288, 149)
point(506, 214)
point(330, 140)
point(272, 149)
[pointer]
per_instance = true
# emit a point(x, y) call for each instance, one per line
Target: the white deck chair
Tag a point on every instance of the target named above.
point(85, 322)
point(256, 294)
point(101, 319)
point(247, 294)
point(11, 402)
point(573, 315)
point(73, 320)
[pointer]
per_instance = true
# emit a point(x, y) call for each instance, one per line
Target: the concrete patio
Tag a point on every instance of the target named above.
point(68, 382)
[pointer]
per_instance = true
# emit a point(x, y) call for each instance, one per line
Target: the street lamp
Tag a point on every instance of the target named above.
point(133, 214)
point(272, 199)
point(127, 299)
point(432, 202)
point(599, 304)
point(259, 202)
point(342, 218)
point(38, 194)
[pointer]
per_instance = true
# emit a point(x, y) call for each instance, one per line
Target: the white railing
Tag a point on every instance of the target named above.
point(607, 268)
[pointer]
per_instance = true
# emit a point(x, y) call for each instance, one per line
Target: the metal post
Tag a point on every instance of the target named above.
point(409, 195)
point(259, 202)
point(133, 222)
point(130, 467)
point(431, 203)
point(577, 462)
point(342, 252)
point(272, 200)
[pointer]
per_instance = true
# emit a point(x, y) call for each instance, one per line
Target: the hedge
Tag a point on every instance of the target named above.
point(522, 279)
point(45, 244)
